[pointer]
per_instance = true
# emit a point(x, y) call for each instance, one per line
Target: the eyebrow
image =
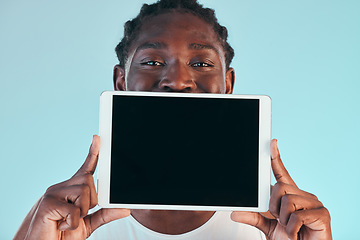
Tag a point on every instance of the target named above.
point(199, 46)
point(153, 45)
point(162, 45)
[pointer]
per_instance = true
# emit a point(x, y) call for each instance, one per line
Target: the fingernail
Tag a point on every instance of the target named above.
point(274, 148)
point(92, 142)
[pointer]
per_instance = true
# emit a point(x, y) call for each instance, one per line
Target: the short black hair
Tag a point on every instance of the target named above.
point(132, 27)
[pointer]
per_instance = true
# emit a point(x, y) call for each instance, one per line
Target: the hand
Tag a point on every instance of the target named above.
point(62, 212)
point(293, 214)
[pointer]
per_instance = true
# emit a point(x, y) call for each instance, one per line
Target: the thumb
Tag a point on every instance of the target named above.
point(279, 170)
point(103, 216)
point(254, 219)
point(90, 163)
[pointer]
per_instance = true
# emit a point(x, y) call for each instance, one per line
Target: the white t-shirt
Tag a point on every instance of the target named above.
point(218, 227)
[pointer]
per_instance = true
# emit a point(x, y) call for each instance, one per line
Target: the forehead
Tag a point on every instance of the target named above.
point(176, 27)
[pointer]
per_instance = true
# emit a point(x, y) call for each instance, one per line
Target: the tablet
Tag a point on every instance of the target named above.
point(181, 151)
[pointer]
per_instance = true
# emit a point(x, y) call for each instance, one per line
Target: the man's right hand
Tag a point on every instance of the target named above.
point(62, 212)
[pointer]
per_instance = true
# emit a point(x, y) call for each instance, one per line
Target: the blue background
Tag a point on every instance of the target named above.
point(56, 57)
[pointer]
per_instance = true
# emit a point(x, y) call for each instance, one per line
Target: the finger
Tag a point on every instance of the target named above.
point(78, 195)
point(267, 215)
point(90, 163)
point(68, 215)
point(291, 203)
point(103, 216)
point(316, 220)
point(71, 221)
point(279, 170)
point(254, 219)
point(279, 190)
point(87, 179)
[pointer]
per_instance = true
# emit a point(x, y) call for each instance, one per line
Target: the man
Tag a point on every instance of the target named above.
point(173, 46)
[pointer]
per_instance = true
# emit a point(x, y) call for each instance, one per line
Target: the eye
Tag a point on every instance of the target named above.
point(153, 63)
point(201, 64)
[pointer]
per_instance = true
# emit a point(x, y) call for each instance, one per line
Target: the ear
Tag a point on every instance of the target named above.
point(119, 78)
point(230, 81)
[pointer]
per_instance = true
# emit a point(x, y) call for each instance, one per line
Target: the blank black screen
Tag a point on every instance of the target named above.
point(184, 151)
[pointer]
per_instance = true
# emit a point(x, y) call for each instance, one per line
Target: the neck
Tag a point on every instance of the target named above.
point(171, 221)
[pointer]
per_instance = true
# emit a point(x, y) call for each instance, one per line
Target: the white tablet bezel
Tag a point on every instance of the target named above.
point(103, 184)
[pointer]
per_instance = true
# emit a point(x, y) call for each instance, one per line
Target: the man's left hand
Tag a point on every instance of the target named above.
point(293, 213)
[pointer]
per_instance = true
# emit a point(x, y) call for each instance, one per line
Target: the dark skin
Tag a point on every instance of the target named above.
point(176, 52)
point(182, 55)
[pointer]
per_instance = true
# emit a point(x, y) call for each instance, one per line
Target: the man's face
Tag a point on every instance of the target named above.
point(175, 52)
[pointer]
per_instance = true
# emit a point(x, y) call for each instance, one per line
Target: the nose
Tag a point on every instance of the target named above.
point(177, 78)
